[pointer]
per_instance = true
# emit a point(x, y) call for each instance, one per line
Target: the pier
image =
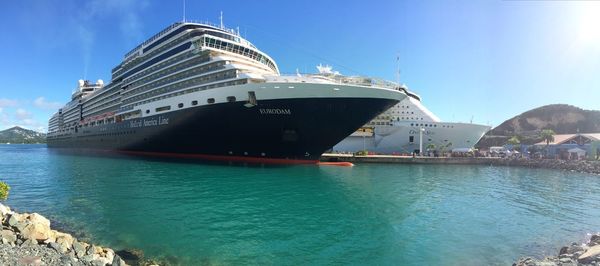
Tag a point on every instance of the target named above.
point(585, 166)
point(335, 157)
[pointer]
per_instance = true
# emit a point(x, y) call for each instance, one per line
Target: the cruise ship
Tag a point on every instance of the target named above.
point(406, 128)
point(198, 90)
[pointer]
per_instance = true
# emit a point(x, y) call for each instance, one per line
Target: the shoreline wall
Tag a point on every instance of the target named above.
point(585, 166)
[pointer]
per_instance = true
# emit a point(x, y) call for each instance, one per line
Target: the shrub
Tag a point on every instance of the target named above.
point(4, 188)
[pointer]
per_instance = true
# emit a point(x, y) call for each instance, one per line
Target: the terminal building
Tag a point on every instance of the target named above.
point(573, 146)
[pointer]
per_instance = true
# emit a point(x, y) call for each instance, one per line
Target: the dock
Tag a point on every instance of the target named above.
point(399, 159)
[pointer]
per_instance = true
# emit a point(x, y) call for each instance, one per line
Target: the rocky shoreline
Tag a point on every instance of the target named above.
point(586, 254)
point(584, 166)
point(27, 239)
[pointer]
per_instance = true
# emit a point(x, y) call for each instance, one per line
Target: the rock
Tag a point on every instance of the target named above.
point(90, 258)
point(91, 250)
point(4, 210)
point(109, 254)
point(79, 249)
point(58, 247)
point(9, 236)
point(29, 242)
point(565, 260)
point(117, 261)
point(101, 262)
point(64, 239)
point(590, 254)
point(13, 220)
point(595, 239)
point(38, 219)
point(563, 250)
point(36, 231)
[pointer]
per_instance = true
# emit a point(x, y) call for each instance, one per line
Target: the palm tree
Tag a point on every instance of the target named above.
point(547, 135)
point(514, 141)
point(430, 147)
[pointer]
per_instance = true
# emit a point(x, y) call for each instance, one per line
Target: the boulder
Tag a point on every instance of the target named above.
point(38, 219)
point(79, 249)
point(563, 250)
point(117, 261)
point(8, 236)
point(64, 238)
point(14, 219)
point(109, 254)
point(595, 240)
point(29, 242)
point(4, 210)
point(90, 258)
point(35, 231)
point(58, 247)
point(98, 250)
point(101, 262)
point(590, 254)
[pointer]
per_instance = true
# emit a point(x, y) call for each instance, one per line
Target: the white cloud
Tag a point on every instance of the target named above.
point(40, 102)
point(8, 102)
point(22, 114)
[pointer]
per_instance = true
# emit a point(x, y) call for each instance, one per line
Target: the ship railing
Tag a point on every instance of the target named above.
point(338, 79)
point(156, 36)
point(208, 23)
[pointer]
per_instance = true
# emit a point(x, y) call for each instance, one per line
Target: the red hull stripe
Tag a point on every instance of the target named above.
point(221, 158)
point(345, 164)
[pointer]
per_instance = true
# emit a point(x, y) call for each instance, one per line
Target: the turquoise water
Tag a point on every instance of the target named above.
point(367, 214)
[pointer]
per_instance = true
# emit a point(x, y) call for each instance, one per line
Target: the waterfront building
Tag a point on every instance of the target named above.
point(571, 146)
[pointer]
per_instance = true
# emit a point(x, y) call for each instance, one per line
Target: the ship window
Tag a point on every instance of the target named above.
point(194, 102)
point(180, 105)
point(411, 139)
point(164, 108)
point(210, 100)
point(231, 99)
point(147, 111)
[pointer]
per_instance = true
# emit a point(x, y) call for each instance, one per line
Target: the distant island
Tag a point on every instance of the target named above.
point(561, 118)
point(19, 135)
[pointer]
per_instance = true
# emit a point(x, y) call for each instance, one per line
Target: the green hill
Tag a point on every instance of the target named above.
point(21, 135)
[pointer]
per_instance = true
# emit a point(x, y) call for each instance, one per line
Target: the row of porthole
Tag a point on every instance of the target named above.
point(246, 153)
point(194, 103)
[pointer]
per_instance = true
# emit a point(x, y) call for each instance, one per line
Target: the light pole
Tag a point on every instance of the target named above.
point(364, 143)
point(421, 130)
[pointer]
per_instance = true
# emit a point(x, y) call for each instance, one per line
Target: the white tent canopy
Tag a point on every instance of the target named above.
point(462, 150)
point(580, 152)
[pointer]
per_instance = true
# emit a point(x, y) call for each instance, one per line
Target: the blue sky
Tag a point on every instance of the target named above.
point(480, 60)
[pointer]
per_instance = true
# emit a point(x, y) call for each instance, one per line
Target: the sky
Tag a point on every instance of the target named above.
point(480, 61)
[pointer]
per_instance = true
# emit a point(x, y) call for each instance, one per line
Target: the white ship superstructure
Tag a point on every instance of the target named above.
point(406, 127)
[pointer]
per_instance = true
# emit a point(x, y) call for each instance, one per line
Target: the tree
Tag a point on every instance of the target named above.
point(547, 135)
point(4, 188)
point(430, 146)
point(514, 141)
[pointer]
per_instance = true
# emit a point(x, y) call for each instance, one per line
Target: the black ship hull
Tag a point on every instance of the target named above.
point(274, 131)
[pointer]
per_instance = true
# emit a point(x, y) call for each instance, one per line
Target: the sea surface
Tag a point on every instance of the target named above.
point(220, 214)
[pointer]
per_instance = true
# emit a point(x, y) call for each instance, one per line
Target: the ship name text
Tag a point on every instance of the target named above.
point(274, 111)
point(149, 122)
